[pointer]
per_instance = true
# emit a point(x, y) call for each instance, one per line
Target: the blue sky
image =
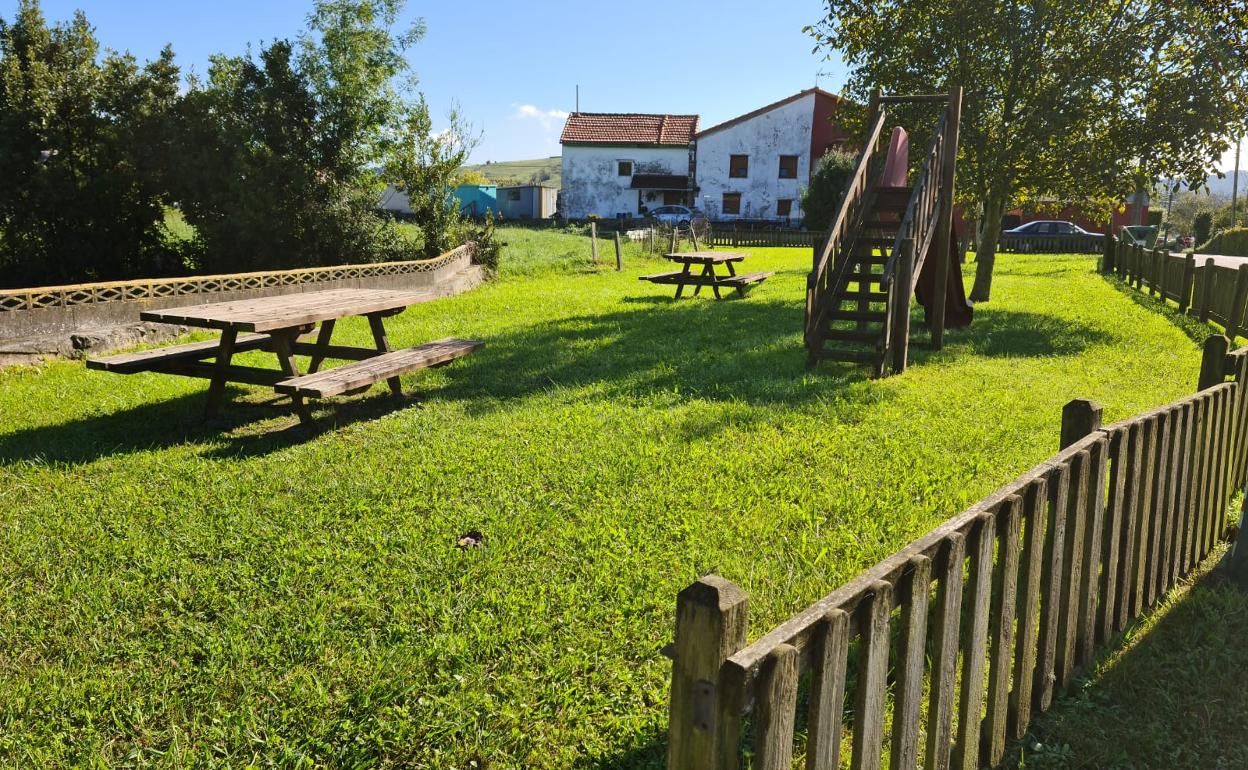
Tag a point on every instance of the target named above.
point(513, 67)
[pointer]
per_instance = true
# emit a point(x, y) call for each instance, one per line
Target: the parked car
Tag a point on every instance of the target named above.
point(677, 215)
point(1051, 236)
point(1139, 235)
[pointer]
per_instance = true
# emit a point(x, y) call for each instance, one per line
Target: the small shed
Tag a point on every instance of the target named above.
point(530, 201)
point(476, 199)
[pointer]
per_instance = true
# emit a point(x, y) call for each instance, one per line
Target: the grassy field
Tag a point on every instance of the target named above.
point(248, 594)
point(547, 171)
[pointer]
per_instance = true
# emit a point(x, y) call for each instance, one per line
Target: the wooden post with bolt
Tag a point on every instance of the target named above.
point(711, 621)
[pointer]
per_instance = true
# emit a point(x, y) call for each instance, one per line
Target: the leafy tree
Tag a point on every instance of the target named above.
point(1065, 99)
point(821, 198)
point(284, 154)
point(82, 140)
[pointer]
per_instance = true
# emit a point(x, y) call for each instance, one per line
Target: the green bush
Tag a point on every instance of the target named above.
point(1232, 242)
point(820, 200)
point(1202, 225)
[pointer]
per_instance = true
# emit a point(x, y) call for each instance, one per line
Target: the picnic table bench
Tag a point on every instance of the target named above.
point(708, 260)
point(283, 326)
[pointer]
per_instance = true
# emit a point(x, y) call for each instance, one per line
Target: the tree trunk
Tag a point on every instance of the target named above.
point(986, 256)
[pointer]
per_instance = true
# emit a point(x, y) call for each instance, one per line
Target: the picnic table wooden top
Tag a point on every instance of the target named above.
point(287, 311)
point(706, 257)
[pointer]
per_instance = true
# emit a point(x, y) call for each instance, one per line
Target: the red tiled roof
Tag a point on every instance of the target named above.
point(624, 128)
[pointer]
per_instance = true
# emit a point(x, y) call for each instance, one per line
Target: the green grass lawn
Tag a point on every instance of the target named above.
point(248, 594)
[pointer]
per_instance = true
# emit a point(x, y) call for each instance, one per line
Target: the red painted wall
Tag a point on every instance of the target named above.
point(824, 132)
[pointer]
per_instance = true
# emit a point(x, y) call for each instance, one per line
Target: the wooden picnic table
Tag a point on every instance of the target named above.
point(708, 261)
point(281, 325)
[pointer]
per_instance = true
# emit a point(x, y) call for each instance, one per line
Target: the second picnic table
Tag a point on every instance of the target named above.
point(708, 260)
point(279, 325)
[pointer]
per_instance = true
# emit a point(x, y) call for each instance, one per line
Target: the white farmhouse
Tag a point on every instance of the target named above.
point(625, 164)
point(756, 166)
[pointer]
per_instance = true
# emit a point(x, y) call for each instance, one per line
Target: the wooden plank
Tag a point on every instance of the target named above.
point(1217, 494)
point(974, 653)
point(1076, 524)
point(827, 694)
point(129, 363)
point(945, 654)
point(1134, 461)
point(1001, 626)
point(332, 382)
point(908, 691)
point(250, 375)
point(1158, 512)
point(776, 709)
point(872, 678)
point(1206, 452)
point(287, 310)
point(1191, 487)
point(1111, 540)
point(216, 390)
point(1174, 498)
point(1051, 585)
point(1094, 513)
point(1035, 501)
point(1143, 516)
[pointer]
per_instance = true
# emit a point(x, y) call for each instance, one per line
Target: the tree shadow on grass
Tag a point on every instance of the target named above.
point(1173, 698)
point(656, 351)
point(180, 421)
point(1195, 330)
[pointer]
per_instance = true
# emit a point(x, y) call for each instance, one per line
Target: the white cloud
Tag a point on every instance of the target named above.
point(547, 119)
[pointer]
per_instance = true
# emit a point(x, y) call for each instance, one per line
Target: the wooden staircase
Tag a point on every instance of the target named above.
point(861, 284)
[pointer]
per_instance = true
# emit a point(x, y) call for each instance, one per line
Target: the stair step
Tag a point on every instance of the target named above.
point(857, 315)
point(852, 335)
point(853, 356)
point(856, 296)
point(882, 224)
point(873, 241)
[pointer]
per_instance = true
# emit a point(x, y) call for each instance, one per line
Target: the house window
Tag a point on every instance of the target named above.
point(739, 166)
point(788, 167)
point(784, 207)
point(513, 195)
point(732, 203)
point(624, 167)
point(673, 198)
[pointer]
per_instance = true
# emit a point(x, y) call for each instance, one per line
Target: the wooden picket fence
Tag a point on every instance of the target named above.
point(1025, 586)
point(1074, 243)
point(1196, 283)
point(773, 236)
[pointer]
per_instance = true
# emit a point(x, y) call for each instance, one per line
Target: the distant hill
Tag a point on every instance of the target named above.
point(546, 171)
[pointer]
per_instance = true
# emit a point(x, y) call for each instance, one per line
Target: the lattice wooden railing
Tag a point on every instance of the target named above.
point(12, 300)
point(957, 640)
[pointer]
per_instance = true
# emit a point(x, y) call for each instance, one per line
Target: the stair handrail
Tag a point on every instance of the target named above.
point(856, 189)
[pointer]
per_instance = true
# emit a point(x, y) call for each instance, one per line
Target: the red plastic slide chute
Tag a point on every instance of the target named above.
point(958, 310)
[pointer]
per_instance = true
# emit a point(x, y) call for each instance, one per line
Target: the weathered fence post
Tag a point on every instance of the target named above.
point(1206, 290)
point(674, 242)
point(1213, 362)
point(619, 253)
point(1237, 567)
point(1236, 320)
point(1107, 260)
point(593, 240)
point(1079, 418)
point(693, 236)
point(1185, 288)
point(711, 621)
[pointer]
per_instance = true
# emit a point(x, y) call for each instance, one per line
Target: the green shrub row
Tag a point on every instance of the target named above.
point(1232, 242)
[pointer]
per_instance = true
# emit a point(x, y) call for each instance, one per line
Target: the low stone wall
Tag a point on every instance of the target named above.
point(68, 320)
